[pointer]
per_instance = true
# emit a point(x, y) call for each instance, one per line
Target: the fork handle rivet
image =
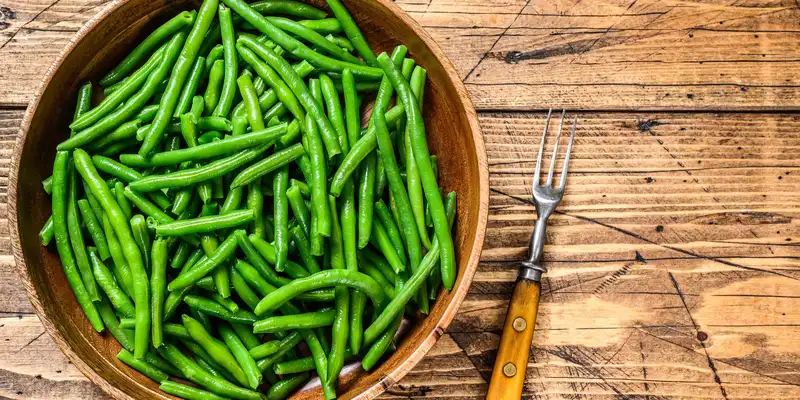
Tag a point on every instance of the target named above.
point(509, 370)
point(519, 324)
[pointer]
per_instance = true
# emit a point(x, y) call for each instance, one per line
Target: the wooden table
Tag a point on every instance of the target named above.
point(673, 262)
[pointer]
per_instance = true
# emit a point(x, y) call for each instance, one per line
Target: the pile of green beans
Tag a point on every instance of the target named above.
point(222, 203)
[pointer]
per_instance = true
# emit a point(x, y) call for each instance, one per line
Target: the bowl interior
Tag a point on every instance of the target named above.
point(453, 135)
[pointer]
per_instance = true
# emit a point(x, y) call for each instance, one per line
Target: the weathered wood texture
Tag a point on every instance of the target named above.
point(533, 54)
point(673, 263)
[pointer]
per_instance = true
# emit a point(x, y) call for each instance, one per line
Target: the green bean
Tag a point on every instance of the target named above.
point(192, 371)
point(243, 357)
point(154, 212)
point(293, 322)
point(380, 239)
point(215, 348)
point(123, 132)
point(320, 361)
point(353, 33)
point(225, 251)
point(119, 223)
point(198, 174)
point(358, 302)
point(243, 290)
point(158, 288)
point(147, 113)
point(142, 366)
point(304, 248)
point(182, 68)
point(288, 7)
point(208, 285)
point(141, 51)
point(225, 302)
point(374, 273)
point(269, 98)
point(202, 357)
point(111, 167)
point(429, 184)
point(268, 252)
point(46, 233)
point(216, 53)
point(124, 337)
point(180, 255)
point(294, 366)
point(105, 279)
point(61, 234)
point(299, 209)
point(390, 229)
point(187, 392)
point(265, 349)
point(125, 91)
point(342, 297)
point(305, 33)
point(171, 329)
point(206, 151)
point(250, 251)
point(133, 104)
point(397, 304)
point(323, 26)
point(321, 217)
point(142, 238)
point(215, 81)
point(76, 237)
point(282, 90)
point(281, 211)
point(231, 63)
point(367, 256)
point(246, 335)
point(189, 91)
point(341, 42)
point(323, 279)
point(380, 346)
point(121, 268)
point(255, 203)
point(368, 142)
point(286, 386)
point(251, 105)
point(415, 192)
point(297, 85)
point(153, 359)
point(287, 343)
point(268, 164)
point(47, 184)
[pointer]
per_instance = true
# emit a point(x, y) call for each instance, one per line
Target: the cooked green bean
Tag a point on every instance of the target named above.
point(187, 392)
point(177, 79)
point(243, 357)
point(122, 133)
point(252, 254)
point(287, 343)
point(228, 91)
point(281, 211)
point(199, 174)
point(105, 279)
point(246, 335)
point(304, 248)
point(76, 237)
point(124, 337)
point(189, 91)
point(293, 322)
point(299, 208)
point(298, 87)
point(142, 237)
point(268, 252)
point(215, 81)
point(142, 366)
point(120, 266)
point(225, 251)
point(125, 91)
point(265, 349)
point(313, 37)
point(285, 387)
point(390, 229)
point(111, 167)
point(133, 104)
point(160, 35)
point(288, 7)
point(216, 53)
point(46, 233)
point(323, 279)
point(268, 164)
point(215, 348)
point(269, 98)
point(206, 151)
point(202, 224)
point(158, 288)
point(282, 90)
point(195, 373)
point(411, 287)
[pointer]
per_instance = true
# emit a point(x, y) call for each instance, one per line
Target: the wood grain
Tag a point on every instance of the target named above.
point(674, 263)
point(535, 54)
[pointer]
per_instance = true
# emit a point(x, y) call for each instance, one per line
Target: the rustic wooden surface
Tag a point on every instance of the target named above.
point(673, 263)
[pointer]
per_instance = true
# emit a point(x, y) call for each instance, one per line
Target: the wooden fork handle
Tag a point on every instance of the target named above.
point(508, 376)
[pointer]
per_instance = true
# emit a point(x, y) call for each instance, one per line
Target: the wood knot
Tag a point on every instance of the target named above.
point(702, 336)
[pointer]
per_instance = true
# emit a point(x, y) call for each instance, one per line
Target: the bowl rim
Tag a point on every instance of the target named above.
point(385, 381)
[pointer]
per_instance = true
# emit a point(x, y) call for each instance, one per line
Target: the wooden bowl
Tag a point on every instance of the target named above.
point(454, 135)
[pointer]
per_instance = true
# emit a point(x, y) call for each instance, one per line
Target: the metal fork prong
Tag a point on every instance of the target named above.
point(555, 151)
point(537, 175)
point(569, 151)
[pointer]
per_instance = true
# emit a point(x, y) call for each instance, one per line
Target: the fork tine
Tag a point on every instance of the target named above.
point(569, 151)
point(541, 150)
point(555, 151)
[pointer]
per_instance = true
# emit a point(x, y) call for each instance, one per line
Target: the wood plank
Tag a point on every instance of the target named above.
point(527, 55)
point(675, 250)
